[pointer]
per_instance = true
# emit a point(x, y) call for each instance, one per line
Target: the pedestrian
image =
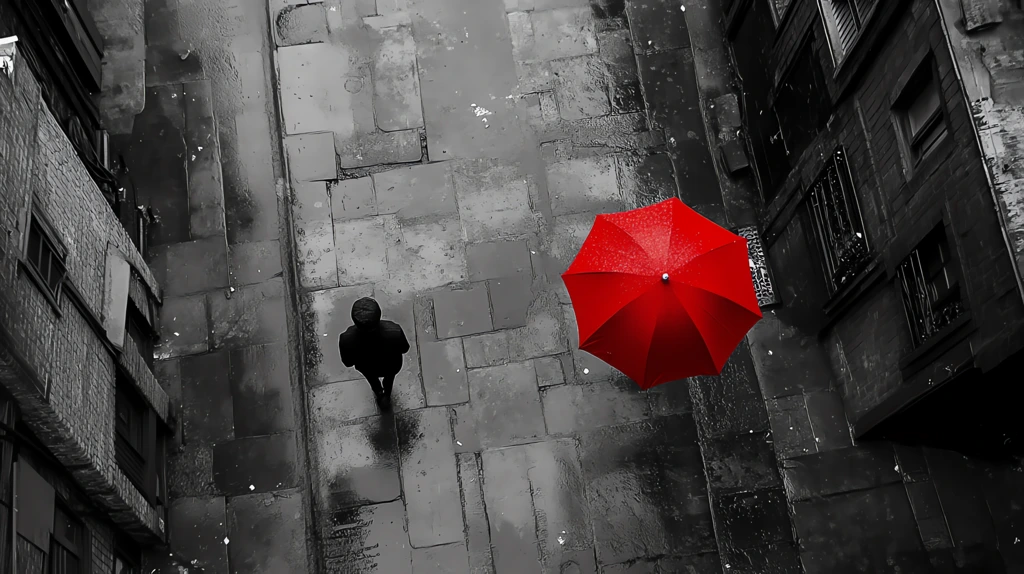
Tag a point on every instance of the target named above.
point(374, 347)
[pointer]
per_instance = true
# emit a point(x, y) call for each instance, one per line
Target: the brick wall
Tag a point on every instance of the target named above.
point(899, 207)
point(59, 347)
point(907, 509)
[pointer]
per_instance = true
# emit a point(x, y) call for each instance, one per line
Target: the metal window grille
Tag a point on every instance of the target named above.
point(930, 289)
point(838, 225)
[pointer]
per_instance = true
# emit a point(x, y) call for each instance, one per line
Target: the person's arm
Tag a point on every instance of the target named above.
point(346, 358)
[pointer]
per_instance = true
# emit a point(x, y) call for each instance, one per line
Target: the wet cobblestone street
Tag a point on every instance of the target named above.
point(446, 157)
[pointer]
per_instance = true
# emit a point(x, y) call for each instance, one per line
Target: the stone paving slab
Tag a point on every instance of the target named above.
point(267, 533)
point(444, 372)
point(464, 65)
point(444, 559)
point(663, 460)
point(300, 24)
point(198, 527)
point(343, 402)
point(478, 537)
point(461, 312)
point(580, 87)
point(505, 404)
point(315, 101)
point(578, 408)
point(543, 335)
point(255, 464)
point(585, 185)
point(255, 262)
point(190, 267)
point(311, 157)
point(202, 149)
point(396, 88)
point(423, 254)
point(208, 411)
point(511, 298)
point(318, 260)
point(368, 540)
point(494, 200)
point(486, 350)
point(358, 462)
point(353, 199)
point(429, 477)
point(252, 315)
point(361, 251)
point(415, 191)
point(260, 380)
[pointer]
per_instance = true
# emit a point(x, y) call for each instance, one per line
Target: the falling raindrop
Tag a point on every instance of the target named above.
point(586, 371)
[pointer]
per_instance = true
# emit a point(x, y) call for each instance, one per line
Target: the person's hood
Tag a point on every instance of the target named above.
point(366, 313)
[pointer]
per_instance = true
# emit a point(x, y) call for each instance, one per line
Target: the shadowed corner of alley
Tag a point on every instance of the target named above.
point(446, 158)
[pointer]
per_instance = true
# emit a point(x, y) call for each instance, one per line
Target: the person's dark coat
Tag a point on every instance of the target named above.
point(373, 346)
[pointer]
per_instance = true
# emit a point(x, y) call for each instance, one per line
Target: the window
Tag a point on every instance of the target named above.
point(141, 334)
point(931, 287)
point(44, 257)
point(66, 543)
point(838, 226)
point(844, 19)
point(139, 442)
point(802, 103)
point(6, 480)
point(920, 114)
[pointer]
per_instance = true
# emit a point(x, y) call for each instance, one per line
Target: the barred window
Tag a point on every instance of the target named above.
point(838, 225)
point(930, 285)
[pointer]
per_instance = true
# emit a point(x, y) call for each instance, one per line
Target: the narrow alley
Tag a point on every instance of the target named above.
point(446, 157)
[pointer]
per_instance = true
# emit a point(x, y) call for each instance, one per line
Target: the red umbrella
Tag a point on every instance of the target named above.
point(662, 293)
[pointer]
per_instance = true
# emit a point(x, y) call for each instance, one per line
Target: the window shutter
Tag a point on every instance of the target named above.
point(847, 24)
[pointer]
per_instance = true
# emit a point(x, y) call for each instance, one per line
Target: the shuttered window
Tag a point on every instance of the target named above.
point(846, 19)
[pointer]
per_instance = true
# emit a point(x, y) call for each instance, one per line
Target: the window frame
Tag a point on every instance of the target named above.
point(831, 255)
point(150, 456)
point(840, 54)
point(49, 244)
point(951, 265)
point(922, 74)
point(76, 549)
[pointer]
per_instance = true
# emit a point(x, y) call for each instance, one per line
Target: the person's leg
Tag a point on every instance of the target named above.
point(389, 383)
point(374, 384)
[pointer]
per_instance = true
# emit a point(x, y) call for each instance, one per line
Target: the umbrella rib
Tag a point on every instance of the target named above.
point(717, 295)
point(706, 253)
point(633, 240)
point(713, 318)
point(614, 313)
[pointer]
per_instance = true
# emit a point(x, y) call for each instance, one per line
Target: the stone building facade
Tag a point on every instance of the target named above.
point(84, 420)
point(883, 138)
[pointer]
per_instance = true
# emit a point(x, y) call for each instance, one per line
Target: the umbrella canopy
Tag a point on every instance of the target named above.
point(662, 293)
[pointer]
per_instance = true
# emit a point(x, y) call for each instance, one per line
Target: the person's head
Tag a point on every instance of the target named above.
point(366, 313)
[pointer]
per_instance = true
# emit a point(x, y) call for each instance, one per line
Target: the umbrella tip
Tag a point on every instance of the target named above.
point(664, 277)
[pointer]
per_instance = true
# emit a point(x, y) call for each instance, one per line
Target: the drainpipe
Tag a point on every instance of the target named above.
point(1004, 224)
